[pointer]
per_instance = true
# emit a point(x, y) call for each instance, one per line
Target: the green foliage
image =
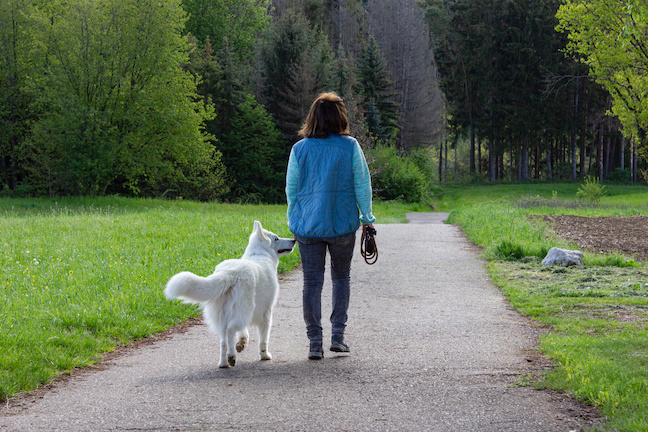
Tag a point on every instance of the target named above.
point(253, 153)
point(378, 96)
point(503, 231)
point(620, 175)
point(114, 113)
point(15, 111)
point(247, 137)
point(609, 37)
point(562, 171)
point(394, 177)
point(297, 64)
point(591, 191)
point(238, 21)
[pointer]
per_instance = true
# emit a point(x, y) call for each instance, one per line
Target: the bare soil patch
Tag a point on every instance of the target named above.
point(627, 235)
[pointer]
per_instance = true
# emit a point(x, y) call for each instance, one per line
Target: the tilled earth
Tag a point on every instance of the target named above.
point(627, 235)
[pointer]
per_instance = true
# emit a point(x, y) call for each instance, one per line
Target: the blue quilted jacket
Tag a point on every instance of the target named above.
point(328, 187)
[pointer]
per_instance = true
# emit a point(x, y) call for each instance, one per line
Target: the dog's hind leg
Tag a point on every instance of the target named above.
point(264, 334)
point(231, 347)
point(243, 337)
point(223, 351)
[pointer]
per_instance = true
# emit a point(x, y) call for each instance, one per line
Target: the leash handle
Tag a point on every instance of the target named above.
point(368, 248)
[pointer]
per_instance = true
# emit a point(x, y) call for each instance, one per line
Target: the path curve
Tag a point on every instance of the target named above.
point(435, 347)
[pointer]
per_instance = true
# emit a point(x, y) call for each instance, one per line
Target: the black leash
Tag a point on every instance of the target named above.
point(368, 248)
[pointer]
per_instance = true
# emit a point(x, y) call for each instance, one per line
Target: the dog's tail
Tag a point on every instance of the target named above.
point(197, 289)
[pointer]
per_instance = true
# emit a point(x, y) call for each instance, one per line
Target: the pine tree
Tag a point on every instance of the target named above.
point(297, 64)
point(377, 92)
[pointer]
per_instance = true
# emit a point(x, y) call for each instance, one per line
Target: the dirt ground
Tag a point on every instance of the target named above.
point(624, 234)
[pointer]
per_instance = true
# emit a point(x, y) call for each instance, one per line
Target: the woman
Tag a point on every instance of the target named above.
point(327, 182)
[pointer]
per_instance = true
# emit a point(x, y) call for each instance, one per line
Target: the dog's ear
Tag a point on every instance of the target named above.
point(258, 231)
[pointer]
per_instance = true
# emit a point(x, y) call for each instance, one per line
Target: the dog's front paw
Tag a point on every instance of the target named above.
point(223, 365)
point(231, 359)
point(265, 355)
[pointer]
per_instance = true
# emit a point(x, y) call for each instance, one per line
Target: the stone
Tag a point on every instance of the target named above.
point(563, 257)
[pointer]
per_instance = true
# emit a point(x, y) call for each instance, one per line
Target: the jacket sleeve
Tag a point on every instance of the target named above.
point(362, 185)
point(292, 180)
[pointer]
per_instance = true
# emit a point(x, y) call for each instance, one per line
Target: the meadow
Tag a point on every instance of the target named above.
point(595, 316)
point(81, 276)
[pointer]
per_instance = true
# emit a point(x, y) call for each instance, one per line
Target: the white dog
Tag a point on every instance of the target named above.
point(240, 293)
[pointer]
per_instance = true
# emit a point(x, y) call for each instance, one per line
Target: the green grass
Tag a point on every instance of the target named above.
point(620, 198)
point(598, 314)
point(83, 275)
point(599, 339)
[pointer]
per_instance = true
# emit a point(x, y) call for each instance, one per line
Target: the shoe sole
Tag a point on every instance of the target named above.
point(315, 355)
point(339, 348)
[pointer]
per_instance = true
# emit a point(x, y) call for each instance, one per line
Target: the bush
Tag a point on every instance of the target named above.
point(394, 177)
point(562, 170)
point(620, 175)
point(591, 191)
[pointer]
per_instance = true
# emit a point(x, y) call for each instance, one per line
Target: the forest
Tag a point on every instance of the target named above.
point(201, 99)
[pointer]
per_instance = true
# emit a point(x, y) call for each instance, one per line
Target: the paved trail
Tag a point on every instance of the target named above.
point(435, 347)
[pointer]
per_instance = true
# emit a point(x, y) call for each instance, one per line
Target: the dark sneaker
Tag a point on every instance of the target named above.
point(338, 344)
point(316, 352)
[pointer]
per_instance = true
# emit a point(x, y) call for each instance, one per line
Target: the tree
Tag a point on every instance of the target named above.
point(297, 64)
point(404, 38)
point(377, 92)
point(15, 111)
point(253, 153)
point(610, 37)
point(239, 21)
point(117, 114)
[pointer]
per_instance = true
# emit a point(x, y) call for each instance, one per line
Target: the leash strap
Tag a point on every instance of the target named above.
point(368, 248)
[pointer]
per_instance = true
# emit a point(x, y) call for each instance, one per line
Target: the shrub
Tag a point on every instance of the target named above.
point(562, 170)
point(591, 191)
point(395, 177)
point(620, 175)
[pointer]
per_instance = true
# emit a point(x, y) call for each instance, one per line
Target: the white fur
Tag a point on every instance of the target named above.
point(240, 293)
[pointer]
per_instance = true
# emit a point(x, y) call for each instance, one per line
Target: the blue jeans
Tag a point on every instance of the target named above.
point(313, 257)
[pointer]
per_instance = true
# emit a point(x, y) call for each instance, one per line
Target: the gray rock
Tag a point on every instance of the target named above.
point(563, 257)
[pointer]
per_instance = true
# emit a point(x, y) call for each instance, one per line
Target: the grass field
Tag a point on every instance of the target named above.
point(598, 314)
point(81, 276)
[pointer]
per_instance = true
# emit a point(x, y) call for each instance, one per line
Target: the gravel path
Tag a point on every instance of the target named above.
point(435, 347)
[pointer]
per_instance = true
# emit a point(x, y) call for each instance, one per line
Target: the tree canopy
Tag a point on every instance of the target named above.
point(610, 38)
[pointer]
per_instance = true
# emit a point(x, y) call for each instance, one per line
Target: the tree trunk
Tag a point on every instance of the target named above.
point(525, 158)
point(441, 158)
point(511, 168)
point(446, 163)
point(491, 160)
point(472, 147)
point(519, 162)
point(479, 157)
point(574, 136)
point(455, 158)
point(608, 149)
point(599, 155)
point(622, 155)
point(583, 153)
point(634, 160)
point(549, 176)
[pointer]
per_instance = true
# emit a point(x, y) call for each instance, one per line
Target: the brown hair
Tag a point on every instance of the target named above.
point(327, 115)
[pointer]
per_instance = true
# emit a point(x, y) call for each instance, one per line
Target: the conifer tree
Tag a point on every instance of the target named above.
point(377, 92)
point(297, 64)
